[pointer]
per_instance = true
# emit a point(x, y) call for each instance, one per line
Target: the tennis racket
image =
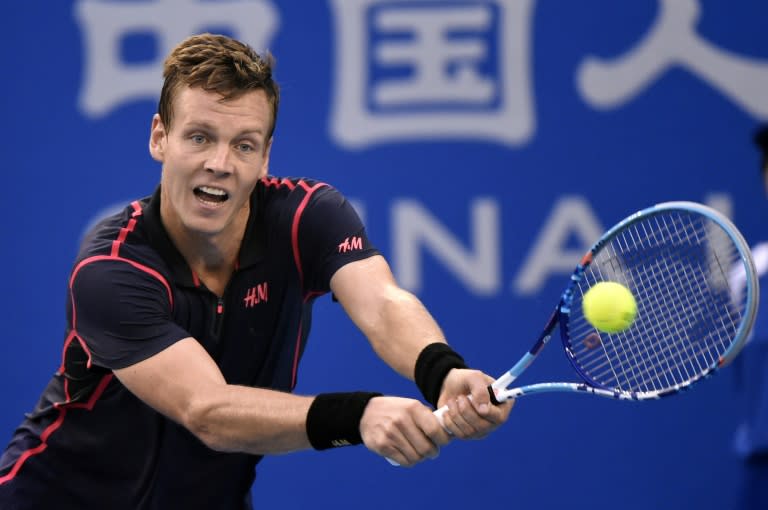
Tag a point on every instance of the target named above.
point(679, 260)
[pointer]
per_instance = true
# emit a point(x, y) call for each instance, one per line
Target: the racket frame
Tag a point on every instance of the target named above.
point(563, 308)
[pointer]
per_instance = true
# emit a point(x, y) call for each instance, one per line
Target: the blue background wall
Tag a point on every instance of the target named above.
point(542, 124)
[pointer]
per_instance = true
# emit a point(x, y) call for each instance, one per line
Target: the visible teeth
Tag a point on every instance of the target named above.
point(213, 191)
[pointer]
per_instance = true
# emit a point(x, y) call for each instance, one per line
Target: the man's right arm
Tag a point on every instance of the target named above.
point(183, 383)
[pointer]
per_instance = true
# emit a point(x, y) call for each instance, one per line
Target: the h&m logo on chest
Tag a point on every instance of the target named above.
point(256, 294)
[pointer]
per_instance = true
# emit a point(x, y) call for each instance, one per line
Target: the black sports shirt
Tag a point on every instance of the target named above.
point(90, 443)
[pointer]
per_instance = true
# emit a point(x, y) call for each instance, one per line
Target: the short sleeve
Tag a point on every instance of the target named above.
point(122, 312)
point(331, 235)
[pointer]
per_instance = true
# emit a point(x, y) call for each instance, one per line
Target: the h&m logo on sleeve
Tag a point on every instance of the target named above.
point(350, 244)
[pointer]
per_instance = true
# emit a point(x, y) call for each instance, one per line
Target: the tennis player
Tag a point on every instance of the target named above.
point(189, 310)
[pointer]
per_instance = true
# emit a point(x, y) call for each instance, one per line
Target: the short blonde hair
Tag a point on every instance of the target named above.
point(221, 64)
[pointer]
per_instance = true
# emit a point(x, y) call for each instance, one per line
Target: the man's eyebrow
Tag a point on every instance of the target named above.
point(205, 126)
point(257, 131)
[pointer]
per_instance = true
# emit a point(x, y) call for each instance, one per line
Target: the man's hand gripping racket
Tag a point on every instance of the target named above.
point(693, 279)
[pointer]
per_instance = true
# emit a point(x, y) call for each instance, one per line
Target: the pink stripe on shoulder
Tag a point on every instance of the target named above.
point(297, 260)
point(274, 181)
point(117, 243)
point(295, 225)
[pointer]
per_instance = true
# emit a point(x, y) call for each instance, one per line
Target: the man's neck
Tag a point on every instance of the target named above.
point(213, 258)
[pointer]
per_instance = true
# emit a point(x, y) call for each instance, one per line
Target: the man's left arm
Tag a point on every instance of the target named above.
point(406, 336)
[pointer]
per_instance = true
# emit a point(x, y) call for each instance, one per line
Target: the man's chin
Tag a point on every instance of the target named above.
point(204, 227)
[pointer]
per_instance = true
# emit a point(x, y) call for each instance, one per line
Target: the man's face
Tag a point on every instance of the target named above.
point(213, 156)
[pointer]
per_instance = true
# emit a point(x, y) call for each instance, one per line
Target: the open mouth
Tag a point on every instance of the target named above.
point(211, 195)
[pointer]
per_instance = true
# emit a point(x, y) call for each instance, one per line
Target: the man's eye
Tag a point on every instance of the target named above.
point(198, 139)
point(245, 147)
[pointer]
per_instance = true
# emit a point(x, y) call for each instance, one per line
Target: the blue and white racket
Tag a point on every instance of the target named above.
point(680, 261)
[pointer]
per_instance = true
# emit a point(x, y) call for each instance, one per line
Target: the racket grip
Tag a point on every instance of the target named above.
point(439, 415)
point(440, 412)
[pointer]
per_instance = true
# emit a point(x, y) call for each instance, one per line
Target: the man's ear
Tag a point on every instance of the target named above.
point(157, 138)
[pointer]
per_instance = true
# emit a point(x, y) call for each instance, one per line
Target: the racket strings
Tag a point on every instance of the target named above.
point(641, 367)
point(699, 359)
point(686, 360)
point(651, 363)
point(677, 266)
point(689, 303)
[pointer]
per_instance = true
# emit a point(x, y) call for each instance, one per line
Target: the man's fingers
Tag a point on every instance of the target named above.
point(461, 419)
point(493, 413)
point(402, 430)
point(469, 420)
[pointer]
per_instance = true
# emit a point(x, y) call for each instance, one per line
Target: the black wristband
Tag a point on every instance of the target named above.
point(333, 419)
point(432, 365)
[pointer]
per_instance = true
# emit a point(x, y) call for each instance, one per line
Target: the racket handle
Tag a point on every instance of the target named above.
point(439, 415)
point(440, 412)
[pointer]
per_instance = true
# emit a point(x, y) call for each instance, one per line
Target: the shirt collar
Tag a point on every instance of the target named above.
point(252, 248)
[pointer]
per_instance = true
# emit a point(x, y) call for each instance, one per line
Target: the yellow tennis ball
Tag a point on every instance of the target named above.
point(609, 307)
